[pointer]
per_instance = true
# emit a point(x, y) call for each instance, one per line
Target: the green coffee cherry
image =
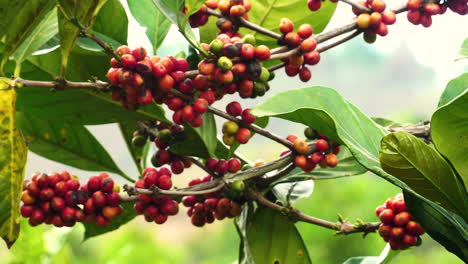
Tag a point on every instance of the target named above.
point(310, 133)
point(272, 76)
point(259, 88)
point(216, 46)
point(246, 167)
point(264, 75)
point(249, 38)
point(238, 186)
point(224, 63)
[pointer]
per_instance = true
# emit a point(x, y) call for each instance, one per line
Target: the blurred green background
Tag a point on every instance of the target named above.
point(400, 77)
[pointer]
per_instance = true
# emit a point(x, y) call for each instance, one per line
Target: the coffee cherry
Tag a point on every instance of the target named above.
point(139, 53)
point(120, 51)
point(401, 219)
point(200, 105)
point(247, 52)
point(177, 166)
point(237, 11)
point(409, 240)
point(388, 17)
point(321, 145)
point(300, 146)
point(224, 63)
point(331, 160)
point(230, 128)
point(110, 212)
point(234, 109)
point(317, 157)
point(413, 228)
point(312, 58)
point(234, 165)
point(286, 25)
point(229, 139)
point(292, 39)
point(305, 31)
point(397, 233)
point(378, 6)
point(262, 52)
point(308, 44)
point(243, 135)
point(379, 209)
point(247, 117)
point(310, 133)
point(384, 230)
point(291, 138)
point(413, 5)
point(382, 29)
point(37, 216)
point(387, 216)
point(300, 161)
point(363, 20)
point(375, 19)
point(305, 74)
point(395, 244)
point(370, 37)
point(236, 209)
point(314, 5)
point(113, 198)
point(27, 198)
point(414, 16)
point(27, 210)
point(165, 182)
point(47, 194)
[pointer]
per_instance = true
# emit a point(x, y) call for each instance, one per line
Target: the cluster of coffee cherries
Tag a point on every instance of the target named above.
point(324, 154)
point(458, 6)
point(374, 23)
point(156, 208)
point(234, 131)
point(205, 209)
point(57, 199)
point(398, 227)
point(295, 64)
point(245, 76)
point(221, 167)
point(228, 8)
point(422, 15)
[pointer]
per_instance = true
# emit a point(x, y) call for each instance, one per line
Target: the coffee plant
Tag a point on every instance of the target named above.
point(65, 64)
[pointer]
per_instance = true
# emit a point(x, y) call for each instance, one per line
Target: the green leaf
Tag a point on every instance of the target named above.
point(65, 142)
point(273, 238)
point(449, 132)
point(46, 30)
point(424, 170)
point(347, 166)
point(91, 45)
point(325, 110)
point(27, 16)
point(454, 88)
point(112, 21)
point(13, 155)
point(289, 193)
point(199, 142)
point(71, 13)
point(128, 214)
point(386, 122)
point(193, 6)
point(448, 229)
point(385, 257)
point(157, 25)
point(128, 128)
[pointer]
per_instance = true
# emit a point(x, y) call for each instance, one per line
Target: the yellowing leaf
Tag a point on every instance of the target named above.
point(13, 154)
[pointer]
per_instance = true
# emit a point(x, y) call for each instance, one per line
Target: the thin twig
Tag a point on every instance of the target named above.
point(65, 85)
point(264, 182)
point(200, 165)
point(342, 227)
point(357, 6)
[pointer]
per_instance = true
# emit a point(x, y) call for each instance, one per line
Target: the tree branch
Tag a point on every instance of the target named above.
point(65, 85)
point(341, 227)
point(357, 6)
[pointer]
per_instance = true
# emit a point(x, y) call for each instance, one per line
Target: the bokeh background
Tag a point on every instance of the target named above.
point(400, 77)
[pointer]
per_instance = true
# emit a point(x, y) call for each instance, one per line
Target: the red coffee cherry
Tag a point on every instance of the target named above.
point(200, 105)
point(321, 145)
point(413, 5)
point(312, 58)
point(128, 61)
point(305, 74)
point(234, 165)
point(262, 52)
point(378, 6)
point(413, 228)
point(401, 219)
point(308, 44)
point(387, 216)
point(399, 205)
point(397, 233)
point(317, 157)
point(388, 17)
point(300, 161)
point(331, 160)
point(292, 39)
point(286, 25)
point(314, 5)
point(243, 135)
point(375, 19)
point(139, 53)
point(234, 109)
point(166, 83)
point(379, 209)
point(120, 51)
point(247, 117)
point(305, 31)
point(409, 240)
point(384, 230)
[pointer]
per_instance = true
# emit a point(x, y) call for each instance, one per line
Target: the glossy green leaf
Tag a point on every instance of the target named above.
point(289, 193)
point(347, 167)
point(13, 155)
point(128, 128)
point(71, 13)
point(44, 31)
point(446, 228)
point(128, 214)
point(325, 110)
point(112, 21)
point(157, 25)
point(65, 142)
point(423, 169)
point(453, 89)
point(199, 142)
point(28, 15)
point(91, 45)
point(273, 238)
point(193, 6)
point(449, 132)
point(386, 256)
